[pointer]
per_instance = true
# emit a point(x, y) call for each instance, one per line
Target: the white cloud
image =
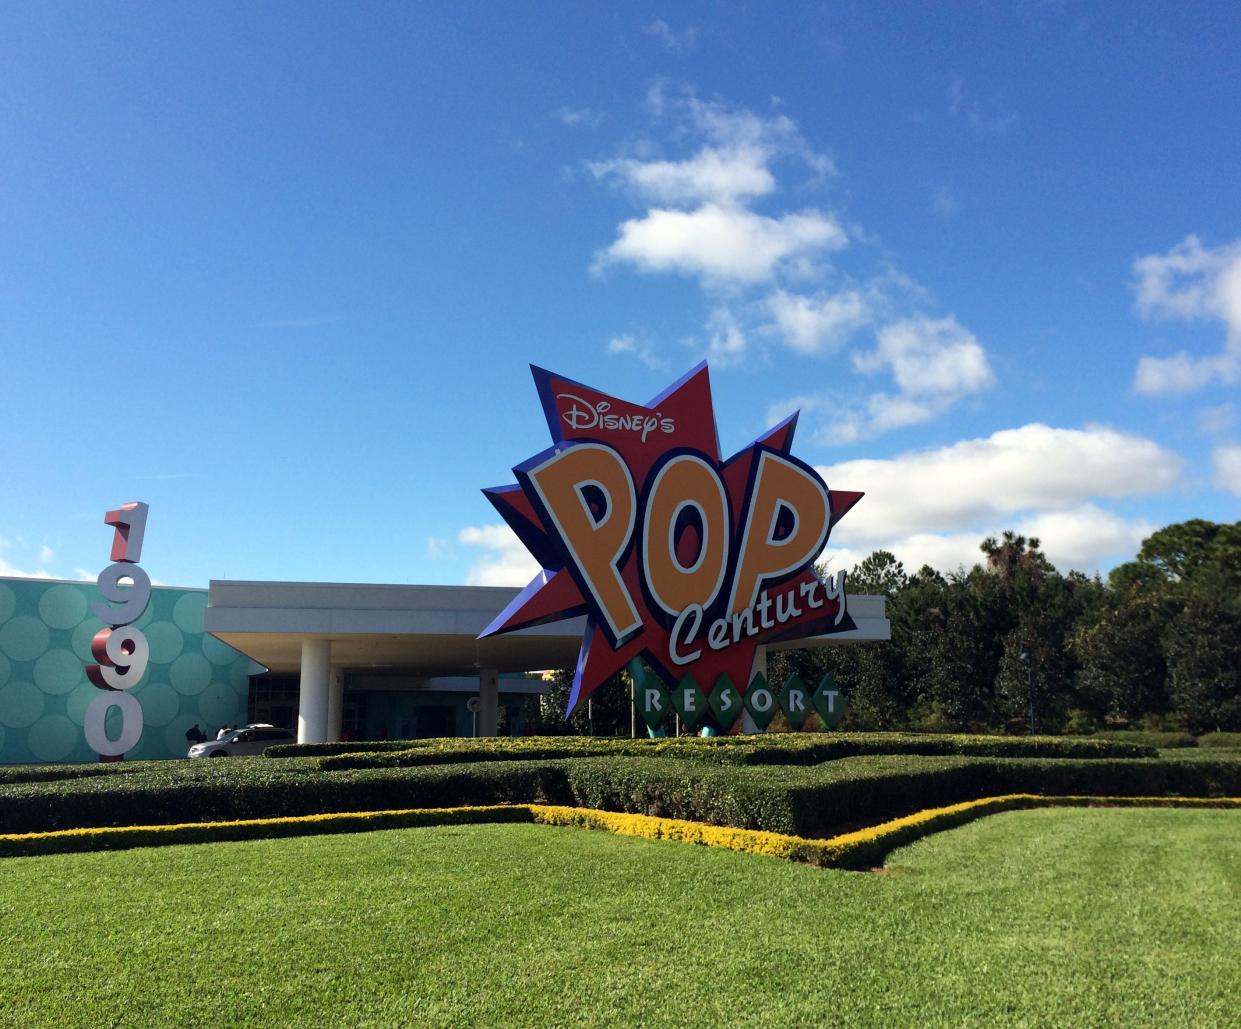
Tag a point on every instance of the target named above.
point(817, 324)
point(1018, 472)
point(722, 175)
point(575, 117)
point(676, 42)
point(437, 547)
point(642, 349)
point(1190, 283)
point(889, 412)
point(930, 357)
point(721, 244)
point(935, 363)
point(1184, 373)
point(1085, 538)
point(699, 222)
point(1227, 462)
point(10, 569)
point(46, 555)
point(726, 342)
point(504, 561)
point(1214, 421)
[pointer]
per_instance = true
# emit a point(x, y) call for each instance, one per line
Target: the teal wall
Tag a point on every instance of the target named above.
point(45, 633)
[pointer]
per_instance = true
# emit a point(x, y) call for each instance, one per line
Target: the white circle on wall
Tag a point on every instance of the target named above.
point(58, 671)
point(239, 674)
point(52, 738)
point(62, 607)
point(147, 616)
point(160, 703)
point(21, 703)
point(166, 642)
point(24, 638)
point(190, 674)
point(216, 652)
point(188, 613)
point(8, 603)
point(221, 706)
point(78, 701)
point(82, 637)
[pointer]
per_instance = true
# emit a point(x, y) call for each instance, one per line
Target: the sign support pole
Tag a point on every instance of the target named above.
point(748, 725)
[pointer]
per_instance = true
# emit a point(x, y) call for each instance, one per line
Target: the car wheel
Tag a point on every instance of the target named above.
point(218, 753)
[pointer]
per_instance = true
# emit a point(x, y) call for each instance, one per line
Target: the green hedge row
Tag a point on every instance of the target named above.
point(815, 800)
point(1220, 739)
point(1143, 737)
point(759, 749)
point(51, 773)
point(326, 749)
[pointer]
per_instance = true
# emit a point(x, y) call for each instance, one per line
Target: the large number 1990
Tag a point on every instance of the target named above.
point(121, 650)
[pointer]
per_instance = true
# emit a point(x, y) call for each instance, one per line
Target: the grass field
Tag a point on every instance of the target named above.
point(1067, 917)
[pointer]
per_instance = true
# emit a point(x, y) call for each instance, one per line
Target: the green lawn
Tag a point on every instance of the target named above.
point(1069, 917)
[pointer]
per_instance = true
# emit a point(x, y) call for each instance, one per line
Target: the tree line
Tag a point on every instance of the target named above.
point(1013, 645)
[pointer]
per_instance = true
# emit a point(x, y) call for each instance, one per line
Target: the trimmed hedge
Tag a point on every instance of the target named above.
point(759, 749)
point(52, 773)
point(67, 841)
point(1220, 739)
point(824, 799)
point(325, 749)
point(862, 849)
point(798, 800)
point(1146, 738)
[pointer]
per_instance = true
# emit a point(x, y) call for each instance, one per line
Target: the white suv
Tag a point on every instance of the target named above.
point(253, 739)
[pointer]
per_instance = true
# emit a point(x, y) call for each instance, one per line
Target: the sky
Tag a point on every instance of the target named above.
point(280, 270)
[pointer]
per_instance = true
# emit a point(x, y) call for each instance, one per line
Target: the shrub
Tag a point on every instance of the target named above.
point(326, 749)
point(241, 789)
point(1148, 738)
point(1220, 739)
point(801, 800)
point(758, 749)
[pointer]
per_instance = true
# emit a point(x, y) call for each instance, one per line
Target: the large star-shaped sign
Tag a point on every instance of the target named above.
point(675, 555)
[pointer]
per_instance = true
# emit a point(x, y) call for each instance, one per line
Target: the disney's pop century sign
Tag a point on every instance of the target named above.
point(675, 554)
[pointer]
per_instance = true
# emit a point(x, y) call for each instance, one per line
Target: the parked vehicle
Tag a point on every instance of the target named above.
point(252, 739)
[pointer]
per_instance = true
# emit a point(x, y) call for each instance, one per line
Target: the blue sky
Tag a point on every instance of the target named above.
point(280, 270)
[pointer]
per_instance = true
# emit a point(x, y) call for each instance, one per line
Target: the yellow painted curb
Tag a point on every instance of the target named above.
point(861, 849)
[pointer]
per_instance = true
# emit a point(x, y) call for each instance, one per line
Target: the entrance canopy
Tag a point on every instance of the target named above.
point(425, 630)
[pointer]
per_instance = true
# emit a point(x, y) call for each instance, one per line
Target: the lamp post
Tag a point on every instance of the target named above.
point(1024, 658)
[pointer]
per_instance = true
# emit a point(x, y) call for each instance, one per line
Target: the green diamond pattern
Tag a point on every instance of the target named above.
point(652, 700)
point(689, 701)
point(726, 703)
point(829, 702)
point(760, 701)
point(795, 701)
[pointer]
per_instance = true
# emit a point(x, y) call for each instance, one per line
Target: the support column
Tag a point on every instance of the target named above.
point(489, 698)
point(748, 725)
point(312, 693)
point(335, 703)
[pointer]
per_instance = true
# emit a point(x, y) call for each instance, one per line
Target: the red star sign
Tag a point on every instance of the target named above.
point(674, 555)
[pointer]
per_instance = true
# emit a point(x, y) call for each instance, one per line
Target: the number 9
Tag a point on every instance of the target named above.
point(133, 599)
point(122, 654)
